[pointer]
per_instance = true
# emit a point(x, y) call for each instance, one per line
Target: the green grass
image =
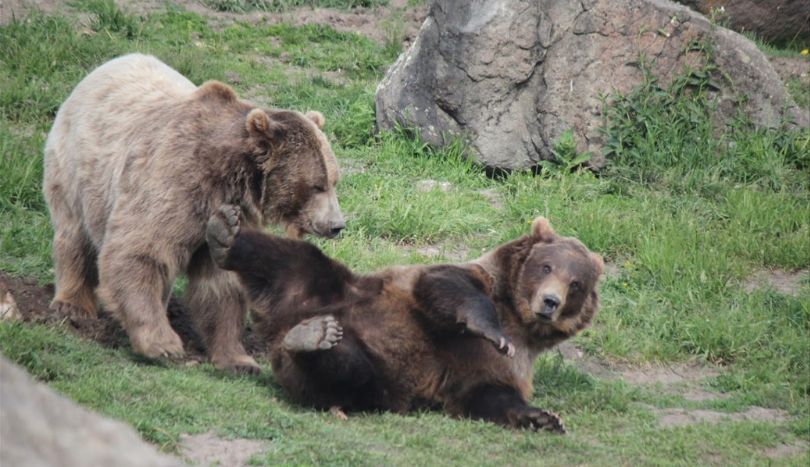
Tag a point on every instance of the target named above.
point(685, 213)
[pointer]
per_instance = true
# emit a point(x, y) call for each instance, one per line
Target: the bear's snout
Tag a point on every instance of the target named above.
point(335, 229)
point(550, 304)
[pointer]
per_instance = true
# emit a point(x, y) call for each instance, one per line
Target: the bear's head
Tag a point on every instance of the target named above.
point(300, 171)
point(556, 284)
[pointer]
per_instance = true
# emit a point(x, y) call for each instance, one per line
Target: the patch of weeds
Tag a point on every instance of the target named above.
point(566, 156)
point(791, 48)
point(666, 137)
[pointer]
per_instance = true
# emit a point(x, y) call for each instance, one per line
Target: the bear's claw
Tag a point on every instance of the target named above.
point(539, 419)
point(506, 347)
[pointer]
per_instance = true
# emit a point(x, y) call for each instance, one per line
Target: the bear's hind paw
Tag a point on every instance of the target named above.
point(318, 333)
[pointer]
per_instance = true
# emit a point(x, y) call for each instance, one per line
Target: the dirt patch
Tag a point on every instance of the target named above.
point(493, 197)
point(453, 253)
point(210, 449)
point(586, 363)
point(33, 302)
point(667, 375)
point(682, 379)
point(424, 186)
point(11, 9)
point(676, 417)
point(780, 451)
point(784, 282)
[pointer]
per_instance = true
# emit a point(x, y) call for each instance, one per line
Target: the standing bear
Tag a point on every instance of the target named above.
point(137, 161)
point(459, 336)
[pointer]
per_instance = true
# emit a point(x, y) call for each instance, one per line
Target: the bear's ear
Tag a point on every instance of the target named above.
point(215, 90)
point(317, 118)
point(542, 230)
point(259, 125)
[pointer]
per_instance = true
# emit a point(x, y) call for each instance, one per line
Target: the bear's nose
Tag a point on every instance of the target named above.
point(550, 303)
point(335, 230)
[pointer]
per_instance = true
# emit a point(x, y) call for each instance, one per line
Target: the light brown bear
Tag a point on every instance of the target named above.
point(463, 337)
point(137, 161)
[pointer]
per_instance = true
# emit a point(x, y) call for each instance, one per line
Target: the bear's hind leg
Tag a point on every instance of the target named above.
point(504, 405)
point(218, 305)
point(75, 270)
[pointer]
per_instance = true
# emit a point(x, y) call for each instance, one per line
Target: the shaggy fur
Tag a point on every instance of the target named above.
point(137, 160)
point(459, 336)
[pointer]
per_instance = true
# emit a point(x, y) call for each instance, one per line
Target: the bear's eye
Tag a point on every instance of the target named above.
point(575, 286)
point(320, 188)
point(546, 269)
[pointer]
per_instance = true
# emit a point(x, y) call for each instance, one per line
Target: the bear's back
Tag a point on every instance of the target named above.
point(119, 109)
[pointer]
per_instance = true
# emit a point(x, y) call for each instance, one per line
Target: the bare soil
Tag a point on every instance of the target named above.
point(784, 282)
point(210, 449)
point(675, 417)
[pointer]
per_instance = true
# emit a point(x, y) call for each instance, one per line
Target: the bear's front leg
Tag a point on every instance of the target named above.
point(135, 286)
point(454, 298)
point(505, 406)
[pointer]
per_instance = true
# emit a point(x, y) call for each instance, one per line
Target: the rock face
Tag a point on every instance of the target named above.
point(39, 427)
point(511, 76)
point(772, 20)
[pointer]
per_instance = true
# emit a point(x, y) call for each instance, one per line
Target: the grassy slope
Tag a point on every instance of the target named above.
point(686, 215)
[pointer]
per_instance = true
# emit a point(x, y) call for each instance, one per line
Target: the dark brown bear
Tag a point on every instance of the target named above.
point(459, 336)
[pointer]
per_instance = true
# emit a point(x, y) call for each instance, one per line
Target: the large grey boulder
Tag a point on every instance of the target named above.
point(39, 427)
point(511, 76)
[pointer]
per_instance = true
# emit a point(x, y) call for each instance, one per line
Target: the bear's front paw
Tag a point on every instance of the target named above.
point(537, 419)
point(223, 226)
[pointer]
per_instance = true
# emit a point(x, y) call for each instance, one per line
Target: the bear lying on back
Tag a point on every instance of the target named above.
point(460, 336)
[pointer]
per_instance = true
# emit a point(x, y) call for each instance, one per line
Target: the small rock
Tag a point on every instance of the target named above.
point(8, 307)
